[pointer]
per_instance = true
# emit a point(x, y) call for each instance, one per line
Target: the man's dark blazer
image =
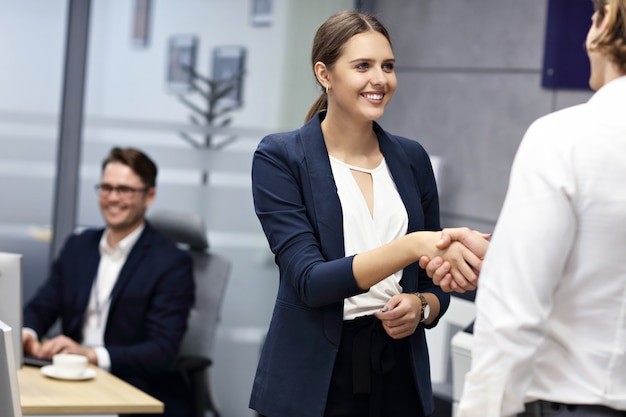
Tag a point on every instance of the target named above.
point(150, 304)
point(296, 200)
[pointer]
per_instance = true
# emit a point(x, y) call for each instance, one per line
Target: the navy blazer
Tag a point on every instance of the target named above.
point(296, 201)
point(150, 304)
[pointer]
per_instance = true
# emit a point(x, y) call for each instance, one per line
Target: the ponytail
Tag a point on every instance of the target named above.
point(320, 104)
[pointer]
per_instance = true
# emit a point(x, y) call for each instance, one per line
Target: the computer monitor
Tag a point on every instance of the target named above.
point(11, 298)
point(10, 405)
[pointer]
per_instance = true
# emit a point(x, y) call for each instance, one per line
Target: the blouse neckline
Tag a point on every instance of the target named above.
point(356, 168)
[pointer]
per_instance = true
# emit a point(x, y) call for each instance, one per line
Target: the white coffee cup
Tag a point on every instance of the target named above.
point(69, 365)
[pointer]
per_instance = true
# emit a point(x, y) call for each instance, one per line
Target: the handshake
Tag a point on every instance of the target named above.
point(458, 258)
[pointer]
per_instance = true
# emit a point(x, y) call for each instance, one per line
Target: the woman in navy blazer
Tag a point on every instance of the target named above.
point(317, 359)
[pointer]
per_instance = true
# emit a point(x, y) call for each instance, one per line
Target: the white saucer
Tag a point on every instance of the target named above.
point(49, 370)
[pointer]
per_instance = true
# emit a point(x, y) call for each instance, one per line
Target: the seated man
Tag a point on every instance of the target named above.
point(123, 293)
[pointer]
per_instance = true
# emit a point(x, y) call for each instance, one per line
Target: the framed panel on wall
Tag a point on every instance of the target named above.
point(141, 22)
point(181, 62)
point(228, 69)
point(261, 13)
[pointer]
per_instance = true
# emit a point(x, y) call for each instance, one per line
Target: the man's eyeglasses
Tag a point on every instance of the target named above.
point(122, 190)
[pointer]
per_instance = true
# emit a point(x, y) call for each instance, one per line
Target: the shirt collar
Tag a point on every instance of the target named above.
point(124, 246)
point(608, 89)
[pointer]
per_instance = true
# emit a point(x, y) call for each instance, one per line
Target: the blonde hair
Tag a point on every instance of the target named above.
point(613, 41)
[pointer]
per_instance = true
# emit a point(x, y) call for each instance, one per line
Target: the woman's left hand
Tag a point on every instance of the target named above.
point(402, 317)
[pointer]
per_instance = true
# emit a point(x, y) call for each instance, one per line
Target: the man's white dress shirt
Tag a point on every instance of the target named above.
point(111, 262)
point(551, 301)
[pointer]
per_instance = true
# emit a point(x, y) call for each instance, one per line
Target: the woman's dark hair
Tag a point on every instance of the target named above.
point(613, 41)
point(330, 38)
point(139, 162)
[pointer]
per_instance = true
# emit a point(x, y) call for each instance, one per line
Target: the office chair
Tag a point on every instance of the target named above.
point(211, 273)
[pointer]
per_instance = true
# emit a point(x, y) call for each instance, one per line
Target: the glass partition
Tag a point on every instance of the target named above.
point(32, 38)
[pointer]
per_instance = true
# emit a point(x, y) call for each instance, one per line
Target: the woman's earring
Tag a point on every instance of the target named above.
point(326, 89)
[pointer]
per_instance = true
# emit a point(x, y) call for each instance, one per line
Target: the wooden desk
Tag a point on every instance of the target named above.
point(104, 394)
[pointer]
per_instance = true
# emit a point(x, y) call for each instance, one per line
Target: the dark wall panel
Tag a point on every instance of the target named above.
point(565, 63)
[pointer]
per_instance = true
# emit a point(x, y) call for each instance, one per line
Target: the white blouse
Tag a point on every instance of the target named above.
point(364, 231)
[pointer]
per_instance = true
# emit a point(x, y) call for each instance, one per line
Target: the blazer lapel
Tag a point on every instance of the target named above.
point(401, 172)
point(328, 211)
point(86, 276)
point(89, 270)
point(132, 262)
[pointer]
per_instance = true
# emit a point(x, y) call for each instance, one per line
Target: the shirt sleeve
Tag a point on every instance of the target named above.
point(104, 360)
point(31, 332)
point(526, 258)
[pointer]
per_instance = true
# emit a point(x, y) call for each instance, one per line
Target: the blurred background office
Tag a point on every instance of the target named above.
point(470, 76)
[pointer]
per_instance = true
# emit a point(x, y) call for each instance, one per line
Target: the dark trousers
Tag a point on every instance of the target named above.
point(372, 374)
point(551, 409)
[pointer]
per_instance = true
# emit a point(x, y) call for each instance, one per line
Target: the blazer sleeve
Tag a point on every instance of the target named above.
point(43, 310)
point(283, 202)
point(65, 291)
point(430, 205)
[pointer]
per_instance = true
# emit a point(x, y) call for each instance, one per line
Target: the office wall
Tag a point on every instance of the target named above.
point(31, 44)
point(470, 84)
